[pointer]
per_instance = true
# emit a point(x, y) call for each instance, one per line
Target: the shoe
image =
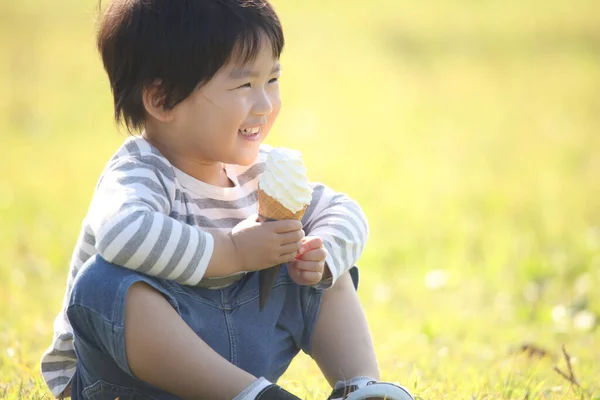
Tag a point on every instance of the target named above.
point(372, 391)
point(274, 392)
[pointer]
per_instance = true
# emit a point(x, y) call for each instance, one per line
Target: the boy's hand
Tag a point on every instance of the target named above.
point(261, 245)
point(309, 266)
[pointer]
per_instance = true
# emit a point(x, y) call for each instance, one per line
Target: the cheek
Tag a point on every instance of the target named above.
point(276, 104)
point(228, 115)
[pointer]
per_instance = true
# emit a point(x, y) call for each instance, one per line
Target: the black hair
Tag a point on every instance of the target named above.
point(181, 44)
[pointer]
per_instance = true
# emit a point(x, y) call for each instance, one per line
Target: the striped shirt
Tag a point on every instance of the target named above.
point(149, 216)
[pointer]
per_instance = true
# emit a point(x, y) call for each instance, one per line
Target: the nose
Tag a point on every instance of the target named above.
point(263, 105)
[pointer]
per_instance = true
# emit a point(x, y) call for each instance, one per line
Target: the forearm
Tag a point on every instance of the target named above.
point(224, 260)
point(215, 253)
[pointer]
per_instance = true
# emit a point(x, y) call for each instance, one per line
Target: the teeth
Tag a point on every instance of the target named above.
point(250, 131)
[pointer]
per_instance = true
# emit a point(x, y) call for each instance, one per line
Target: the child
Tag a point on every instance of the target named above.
point(162, 294)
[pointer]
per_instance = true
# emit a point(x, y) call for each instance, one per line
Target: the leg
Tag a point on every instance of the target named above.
point(130, 340)
point(163, 351)
point(343, 348)
point(341, 342)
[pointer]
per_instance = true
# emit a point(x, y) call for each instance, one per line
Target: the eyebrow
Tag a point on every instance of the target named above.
point(245, 73)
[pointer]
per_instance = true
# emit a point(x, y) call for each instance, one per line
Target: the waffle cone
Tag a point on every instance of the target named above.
point(270, 208)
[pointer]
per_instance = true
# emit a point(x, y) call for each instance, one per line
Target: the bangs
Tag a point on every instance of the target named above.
point(250, 42)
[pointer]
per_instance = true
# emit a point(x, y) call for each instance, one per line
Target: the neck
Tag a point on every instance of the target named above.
point(211, 172)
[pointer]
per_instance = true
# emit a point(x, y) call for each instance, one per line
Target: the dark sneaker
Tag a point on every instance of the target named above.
point(372, 391)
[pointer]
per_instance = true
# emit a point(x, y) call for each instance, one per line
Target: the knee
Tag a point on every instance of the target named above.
point(93, 268)
point(96, 304)
point(97, 282)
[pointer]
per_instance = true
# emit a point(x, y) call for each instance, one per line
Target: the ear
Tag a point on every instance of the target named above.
point(154, 102)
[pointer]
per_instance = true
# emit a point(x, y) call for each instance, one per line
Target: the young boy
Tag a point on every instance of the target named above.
point(162, 295)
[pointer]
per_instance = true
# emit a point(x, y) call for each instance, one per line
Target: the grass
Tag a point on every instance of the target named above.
point(467, 130)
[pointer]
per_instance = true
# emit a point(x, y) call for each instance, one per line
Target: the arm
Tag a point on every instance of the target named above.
point(129, 217)
point(341, 223)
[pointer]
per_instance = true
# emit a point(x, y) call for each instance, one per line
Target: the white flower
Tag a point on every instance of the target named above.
point(559, 314)
point(436, 279)
point(584, 320)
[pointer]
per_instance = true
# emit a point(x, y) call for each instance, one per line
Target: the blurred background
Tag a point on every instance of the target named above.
point(468, 131)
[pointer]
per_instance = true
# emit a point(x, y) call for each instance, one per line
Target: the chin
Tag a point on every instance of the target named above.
point(246, 161)
point(247, 154)
point(247, 158)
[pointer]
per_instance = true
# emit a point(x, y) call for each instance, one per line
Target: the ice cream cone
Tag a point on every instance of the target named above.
point(270, 209)
point(283, 193)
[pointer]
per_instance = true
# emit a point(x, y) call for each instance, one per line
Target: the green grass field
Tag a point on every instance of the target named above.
point(468, 130)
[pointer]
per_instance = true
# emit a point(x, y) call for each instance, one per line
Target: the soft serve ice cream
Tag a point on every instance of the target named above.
point(284, 181)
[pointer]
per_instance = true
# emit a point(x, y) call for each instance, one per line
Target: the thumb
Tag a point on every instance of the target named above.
point(253, 218)
point(249, 222)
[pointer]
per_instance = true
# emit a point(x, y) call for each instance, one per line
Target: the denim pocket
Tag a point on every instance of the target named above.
point(106, 391)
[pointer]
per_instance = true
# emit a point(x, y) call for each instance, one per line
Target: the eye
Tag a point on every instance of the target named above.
point(274, 80)
point(246, 85)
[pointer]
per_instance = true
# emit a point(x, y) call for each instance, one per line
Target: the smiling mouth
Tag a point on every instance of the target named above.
point(249, 132)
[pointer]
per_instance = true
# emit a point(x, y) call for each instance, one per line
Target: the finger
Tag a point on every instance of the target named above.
point(309, 266)
point(296, 275)
point(311, 277)
point(291, 237)
point(287, 257)
point(310, 243)
point(252, 220)
point(286, 225)
point(290, 248)
point(313, 255)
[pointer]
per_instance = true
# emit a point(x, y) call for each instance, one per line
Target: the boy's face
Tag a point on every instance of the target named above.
point(227, 118)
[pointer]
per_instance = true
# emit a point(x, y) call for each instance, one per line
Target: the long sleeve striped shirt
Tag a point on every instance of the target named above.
point(148, 216)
